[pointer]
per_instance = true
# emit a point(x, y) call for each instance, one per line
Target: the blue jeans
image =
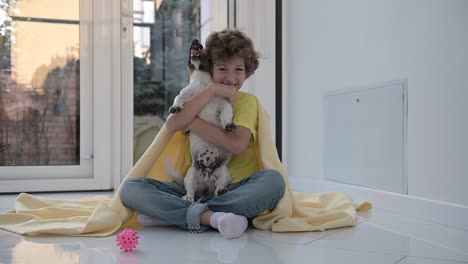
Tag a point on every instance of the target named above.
point(162, 200)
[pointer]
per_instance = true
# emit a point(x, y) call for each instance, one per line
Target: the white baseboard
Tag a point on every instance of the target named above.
point(434, 211)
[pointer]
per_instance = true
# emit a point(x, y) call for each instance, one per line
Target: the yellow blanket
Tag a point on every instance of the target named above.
point(104, 216)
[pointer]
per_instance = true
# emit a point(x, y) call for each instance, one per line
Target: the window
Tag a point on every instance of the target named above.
point(47, 96)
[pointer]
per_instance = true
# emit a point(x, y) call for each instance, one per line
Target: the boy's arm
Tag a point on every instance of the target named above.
point(191, 109)
point(235, 142)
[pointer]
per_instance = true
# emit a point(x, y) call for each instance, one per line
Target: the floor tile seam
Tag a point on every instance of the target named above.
point(333, 232)
point(360, 250)
point(394, 230)
point(318, 238)
point(429, 221)
point(400, 259)
point(416, 238)
point(414, 220)
point(358, 223)
point(292, 244)
point(386, 253)
point(448, 260)
point(311, 243)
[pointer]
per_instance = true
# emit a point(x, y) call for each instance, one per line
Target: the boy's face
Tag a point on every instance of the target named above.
point(230, 71)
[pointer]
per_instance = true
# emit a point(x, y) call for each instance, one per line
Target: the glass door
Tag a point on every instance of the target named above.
point(156, 35)
point(156, 38)
point(47, 97)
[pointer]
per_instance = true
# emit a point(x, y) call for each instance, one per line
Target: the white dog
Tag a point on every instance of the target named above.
point(209, 172)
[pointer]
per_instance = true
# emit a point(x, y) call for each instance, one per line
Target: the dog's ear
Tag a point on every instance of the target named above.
point(189, 63)
point(204, 64)
point(200, 46)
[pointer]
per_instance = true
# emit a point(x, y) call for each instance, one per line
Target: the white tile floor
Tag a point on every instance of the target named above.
point(380, 237)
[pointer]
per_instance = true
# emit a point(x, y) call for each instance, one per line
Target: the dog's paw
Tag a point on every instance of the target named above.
point(230, 127)
point(221, 191)
point(188, 198)
point(175, 109)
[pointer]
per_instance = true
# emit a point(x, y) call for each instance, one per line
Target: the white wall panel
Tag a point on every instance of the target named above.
point(365, 137)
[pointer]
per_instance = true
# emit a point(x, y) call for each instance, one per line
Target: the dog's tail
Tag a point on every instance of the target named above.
point(174, 174)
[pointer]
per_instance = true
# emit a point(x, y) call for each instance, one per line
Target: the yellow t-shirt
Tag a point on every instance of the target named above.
point(247, 163)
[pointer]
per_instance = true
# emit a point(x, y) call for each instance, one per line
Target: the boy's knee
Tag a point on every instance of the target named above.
point(276, 181)
point(127, 189)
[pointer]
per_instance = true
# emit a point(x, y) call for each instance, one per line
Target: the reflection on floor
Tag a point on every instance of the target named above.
point(380, 237)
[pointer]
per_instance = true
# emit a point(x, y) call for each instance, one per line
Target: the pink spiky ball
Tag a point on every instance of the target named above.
point(127, 239)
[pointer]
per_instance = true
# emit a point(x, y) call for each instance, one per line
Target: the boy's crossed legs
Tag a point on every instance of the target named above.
point(159, 203)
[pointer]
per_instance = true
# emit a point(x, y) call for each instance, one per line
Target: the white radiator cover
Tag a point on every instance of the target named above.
point(365, 136)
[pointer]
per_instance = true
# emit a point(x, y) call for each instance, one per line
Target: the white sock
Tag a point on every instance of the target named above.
point(229, 224)
point(145, 220)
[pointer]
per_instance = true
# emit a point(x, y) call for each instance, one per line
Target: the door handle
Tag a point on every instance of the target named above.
point(131, 13)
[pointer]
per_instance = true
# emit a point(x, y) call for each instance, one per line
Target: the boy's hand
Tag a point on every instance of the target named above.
point(185, 130)
point(226, 91)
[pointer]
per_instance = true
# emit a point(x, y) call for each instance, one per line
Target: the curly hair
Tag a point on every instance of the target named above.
point(227, 44)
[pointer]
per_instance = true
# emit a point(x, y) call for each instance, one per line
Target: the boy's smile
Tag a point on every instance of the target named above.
point(230, 71)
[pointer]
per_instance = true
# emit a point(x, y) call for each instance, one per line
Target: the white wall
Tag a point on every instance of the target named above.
point(346, 44)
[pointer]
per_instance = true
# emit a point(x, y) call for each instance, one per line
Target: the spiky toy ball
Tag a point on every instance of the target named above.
point(127, 239)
